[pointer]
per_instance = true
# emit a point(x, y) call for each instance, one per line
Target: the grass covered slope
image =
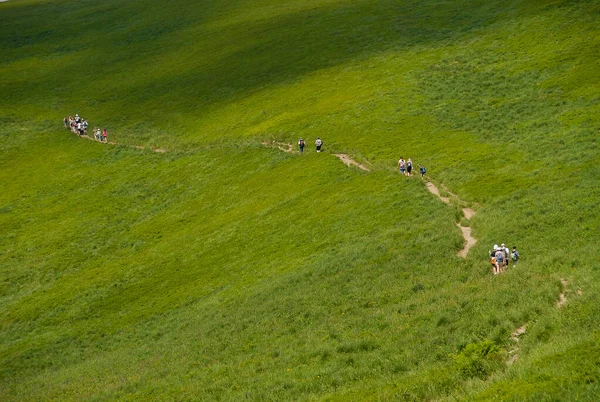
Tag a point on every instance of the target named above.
point(226, 270)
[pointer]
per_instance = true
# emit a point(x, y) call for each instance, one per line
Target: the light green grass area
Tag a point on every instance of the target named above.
point(225, 269)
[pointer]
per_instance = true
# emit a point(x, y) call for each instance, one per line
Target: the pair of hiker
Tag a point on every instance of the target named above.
point(101, 135)
point(406, 167)
point(302, 144)
point(501, 256)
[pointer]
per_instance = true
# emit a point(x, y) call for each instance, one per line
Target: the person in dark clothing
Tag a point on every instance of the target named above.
point(301, 145)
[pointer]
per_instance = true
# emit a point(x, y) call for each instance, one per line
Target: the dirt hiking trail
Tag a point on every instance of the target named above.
point(468, 213)
point(282, 146)
point(289, 148)
point(348, 161)
point(158, 150)
point(515, 336)
point(562, 299)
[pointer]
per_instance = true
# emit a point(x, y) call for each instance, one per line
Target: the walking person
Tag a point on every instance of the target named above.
point(301, 145)
point(500, 260)
point(492, 254)
point(318, 144)
point(409, 166)
point(65, 122)
point(105, 135)
point(515, 256)
point(402, 166)
point(506, 254)
point(422, 170)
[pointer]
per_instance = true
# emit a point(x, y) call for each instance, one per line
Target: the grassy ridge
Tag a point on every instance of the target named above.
point(224, 270)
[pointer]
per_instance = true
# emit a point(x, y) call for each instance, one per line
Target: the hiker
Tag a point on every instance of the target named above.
point(493, 261)
point(105, 135)
point(85, 126)
point(301, 145)
point(506, 252)
point(402, 165)
point(318, 144)
point(409, 167)
point(500, 260)
point(77, 119)
point(515, 255)
point(97, 134)
point(497, 259)
point(65, 122)
point(422, 170)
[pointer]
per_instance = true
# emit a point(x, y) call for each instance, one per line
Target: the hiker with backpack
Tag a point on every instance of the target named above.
point(402, 166)
point(500, 260)
point(318, 144)
point(497, 259)
point(493, 261)
point(105, 135)
point(506, 252)
point(515, 255)
point(301, 145)
point(409, 166)
point(422, 170)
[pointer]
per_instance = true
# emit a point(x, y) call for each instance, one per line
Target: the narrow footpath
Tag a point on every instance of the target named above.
point(158, 150)
point(468, 213)
point(519, 332)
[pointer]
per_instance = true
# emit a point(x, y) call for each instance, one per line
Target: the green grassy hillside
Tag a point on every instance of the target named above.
point(224, 269)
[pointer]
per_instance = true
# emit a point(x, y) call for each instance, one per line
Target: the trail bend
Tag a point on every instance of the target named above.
point(468, 213)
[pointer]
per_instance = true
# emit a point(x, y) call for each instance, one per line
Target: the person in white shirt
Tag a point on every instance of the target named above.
point(318, 144)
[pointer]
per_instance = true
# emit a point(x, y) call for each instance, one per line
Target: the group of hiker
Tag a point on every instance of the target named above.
point(79, 126)
point(302, 144)
point(406, 167)
point(501, 257)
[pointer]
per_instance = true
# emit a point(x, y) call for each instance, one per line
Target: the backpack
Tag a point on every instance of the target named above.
point(500, 256)
point(301, 143)
point(423, 169)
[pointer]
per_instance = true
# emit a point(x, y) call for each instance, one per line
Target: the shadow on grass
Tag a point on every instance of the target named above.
point(212, 63)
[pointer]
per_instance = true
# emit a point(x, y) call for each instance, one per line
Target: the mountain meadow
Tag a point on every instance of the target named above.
point(199, 256)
